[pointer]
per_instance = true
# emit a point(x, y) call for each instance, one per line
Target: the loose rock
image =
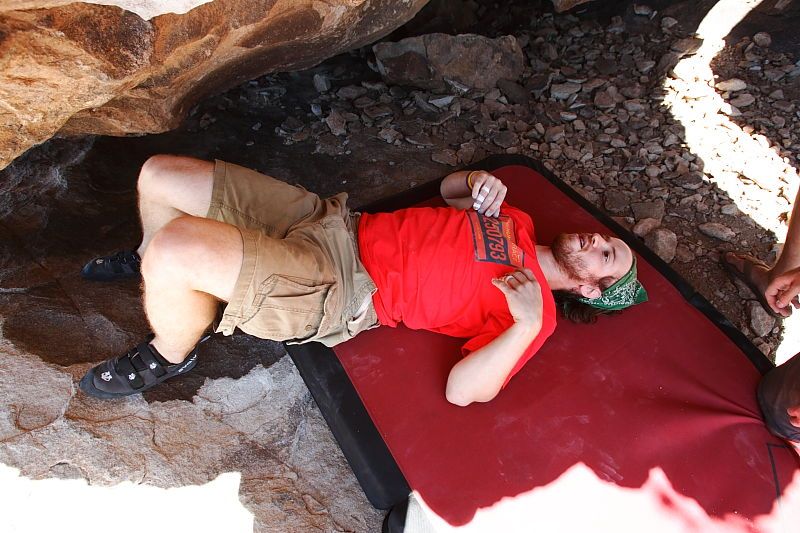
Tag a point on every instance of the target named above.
point(761, 322)
point(605, 66)
point(603, 100)
point(652, 171)
point(668, 22)
point(562, 91)
point(321, 83)
point(616, 202)
point(466, 152)
point(389, 135)
point(717, 231)
point(446, 157)
point(554, 134)
point(336, 122)
point(762, 39)
point(644, 210)
point(743, 100)
point(351, 92)
point(505, 139)
point(731, 85)
point(634, 106)
point(688, 45)
point(645, 65)
point(516, 93)
point(645, 226)
point(663, 242)
point(683, 254)
point(729, 209)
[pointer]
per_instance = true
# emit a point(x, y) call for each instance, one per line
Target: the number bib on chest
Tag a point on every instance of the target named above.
point(494, 240)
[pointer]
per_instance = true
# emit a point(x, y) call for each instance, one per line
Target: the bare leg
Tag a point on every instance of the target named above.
point(190, 266)
point(169, 187)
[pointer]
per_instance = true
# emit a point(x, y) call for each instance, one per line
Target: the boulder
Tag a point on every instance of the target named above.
point(140, 67)
point(436, 61)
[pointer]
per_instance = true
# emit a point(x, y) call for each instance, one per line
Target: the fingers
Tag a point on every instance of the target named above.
point(502, 284)
point(494, 209)
point(783, 291)
point(515, 280)
point(480, 194)
point(523, 295)
point(528, 274)
point(491, 196)
point(790, 293)
point(488, 193)
point(479, 178)
point(771, 296)
point(506, 283)
point(772, 301)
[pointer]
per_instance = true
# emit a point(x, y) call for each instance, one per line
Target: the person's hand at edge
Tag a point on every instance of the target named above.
point(782, 292)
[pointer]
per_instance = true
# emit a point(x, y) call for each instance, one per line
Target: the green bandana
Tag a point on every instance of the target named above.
point(627, 291)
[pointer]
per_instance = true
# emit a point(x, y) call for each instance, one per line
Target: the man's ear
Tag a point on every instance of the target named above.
point(794, 415)
point(590, 291)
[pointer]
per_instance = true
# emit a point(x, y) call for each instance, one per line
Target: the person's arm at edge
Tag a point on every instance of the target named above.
point(480, 376)
point(784, 286)
point(486, 196)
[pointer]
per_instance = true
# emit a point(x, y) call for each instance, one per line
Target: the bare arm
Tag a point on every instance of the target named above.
point(480, 376)
point(784, 285)
point(485, 196)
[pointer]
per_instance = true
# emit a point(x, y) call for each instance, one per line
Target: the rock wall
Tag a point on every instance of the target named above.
point(98, 69)
point(146, 9)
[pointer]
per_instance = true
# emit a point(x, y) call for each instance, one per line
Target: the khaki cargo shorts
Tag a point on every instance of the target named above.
point(301, 277)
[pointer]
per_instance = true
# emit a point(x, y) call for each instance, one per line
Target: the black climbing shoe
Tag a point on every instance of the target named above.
point(140, 369)
point(122, 265)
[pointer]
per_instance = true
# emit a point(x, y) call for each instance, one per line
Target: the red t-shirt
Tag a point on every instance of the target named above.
point(434, 266)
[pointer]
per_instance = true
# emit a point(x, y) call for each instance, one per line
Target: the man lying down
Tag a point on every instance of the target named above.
point(293, 266)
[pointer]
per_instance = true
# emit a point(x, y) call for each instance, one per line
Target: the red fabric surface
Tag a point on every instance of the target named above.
point(657, 386)
point(417, 255)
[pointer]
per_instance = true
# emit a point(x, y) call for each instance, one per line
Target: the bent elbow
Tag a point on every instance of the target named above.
point(457, 397)
point(462, 398)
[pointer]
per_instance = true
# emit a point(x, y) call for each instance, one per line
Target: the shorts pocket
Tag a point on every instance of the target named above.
point(286, 307)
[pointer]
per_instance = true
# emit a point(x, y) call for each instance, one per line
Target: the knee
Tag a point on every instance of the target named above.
point(153, 173)
point(175, 249)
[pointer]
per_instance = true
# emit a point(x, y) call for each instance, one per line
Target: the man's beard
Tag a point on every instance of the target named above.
point(569, 261)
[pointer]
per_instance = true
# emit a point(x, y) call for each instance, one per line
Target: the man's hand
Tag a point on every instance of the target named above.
point(488, 193)
point(480, 375)
point(523, 295)
point(783, 291)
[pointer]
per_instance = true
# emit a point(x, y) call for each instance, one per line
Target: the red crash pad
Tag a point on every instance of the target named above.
point(658, 386)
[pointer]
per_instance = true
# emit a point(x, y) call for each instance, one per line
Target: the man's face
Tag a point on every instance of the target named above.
point(592, 257)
